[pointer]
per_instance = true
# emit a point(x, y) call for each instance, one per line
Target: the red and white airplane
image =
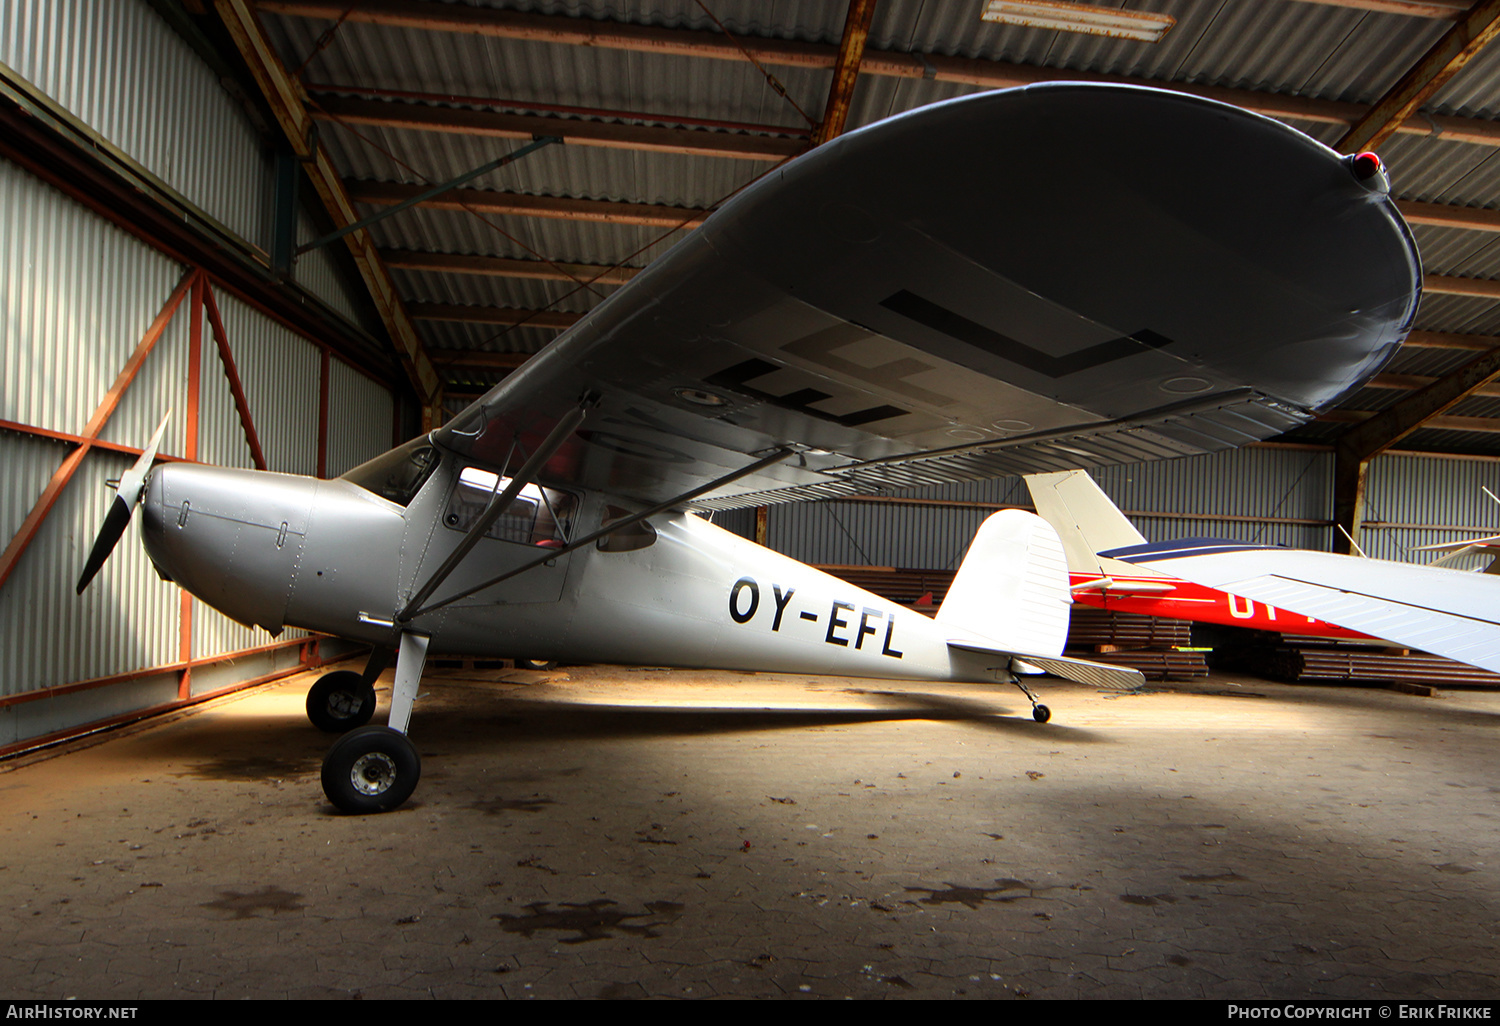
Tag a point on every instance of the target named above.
point(1446, 612)
point(1089, 523)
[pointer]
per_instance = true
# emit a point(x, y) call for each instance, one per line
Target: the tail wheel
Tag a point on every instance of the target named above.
point(372, 769)
point(340, 701)
point(1041, 714)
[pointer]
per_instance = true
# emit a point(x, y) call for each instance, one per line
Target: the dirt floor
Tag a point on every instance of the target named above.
point(609, 832)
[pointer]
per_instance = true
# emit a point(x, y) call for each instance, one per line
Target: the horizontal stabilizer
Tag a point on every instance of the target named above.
point(1118, 587)
point(1096, 675)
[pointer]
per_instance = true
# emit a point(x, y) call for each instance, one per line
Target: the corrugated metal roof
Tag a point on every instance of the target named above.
point(1412, 360)
point(1288, 47)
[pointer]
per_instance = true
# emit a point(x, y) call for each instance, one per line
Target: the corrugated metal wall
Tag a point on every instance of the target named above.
point(120, 70)
point(1274, 496)
point(1413, 500)
point(76, 296)
point(360, 415)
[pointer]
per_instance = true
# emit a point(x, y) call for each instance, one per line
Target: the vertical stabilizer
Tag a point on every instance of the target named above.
point(1084, 517)
point(1012, 588)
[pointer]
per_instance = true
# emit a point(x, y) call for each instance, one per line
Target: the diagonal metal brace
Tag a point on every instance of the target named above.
point(560, 433)
point(611, 528)
point(436, 190)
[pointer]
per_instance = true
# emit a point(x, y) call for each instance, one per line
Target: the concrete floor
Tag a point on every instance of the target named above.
point(631, 833)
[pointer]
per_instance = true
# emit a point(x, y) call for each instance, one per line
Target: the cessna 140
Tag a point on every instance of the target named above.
point(1030, 279)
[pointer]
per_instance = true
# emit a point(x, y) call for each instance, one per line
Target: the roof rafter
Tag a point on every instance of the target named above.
point(990, 74)
point(284, 96)
point(1486, 425)
point(468, 121)
point(1412, 382)
point(1448, 56)
point(1451, 340)
point(478, 360)
point(1440, 284)
point(505, 267)
point(1445, 10)
point(1420, 409)
point(519, 204)
point(475, 314)
point(845, 70)
point(1441, 215)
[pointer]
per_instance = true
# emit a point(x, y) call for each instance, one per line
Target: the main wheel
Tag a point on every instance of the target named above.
point(535, 664)
point(372, 769)
point(1041, 714)
point(340, 701)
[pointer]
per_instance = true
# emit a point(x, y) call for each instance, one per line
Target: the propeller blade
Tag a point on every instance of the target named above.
point(115, 523)
point(127, 494)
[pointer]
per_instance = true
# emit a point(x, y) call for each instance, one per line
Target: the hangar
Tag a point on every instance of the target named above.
point(316, 230)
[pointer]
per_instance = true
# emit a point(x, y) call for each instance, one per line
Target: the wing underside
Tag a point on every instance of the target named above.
point(967, 291)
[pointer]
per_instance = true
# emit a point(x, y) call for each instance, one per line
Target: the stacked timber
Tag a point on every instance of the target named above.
point(1160, 648)
point(1091, 626)
point(1300, 659)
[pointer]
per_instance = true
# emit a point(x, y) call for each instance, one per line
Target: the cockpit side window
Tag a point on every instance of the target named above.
point(399, 474)
point(538, 515)
point(638, 535)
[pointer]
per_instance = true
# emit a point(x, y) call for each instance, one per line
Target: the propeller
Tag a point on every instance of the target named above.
point(127, 496)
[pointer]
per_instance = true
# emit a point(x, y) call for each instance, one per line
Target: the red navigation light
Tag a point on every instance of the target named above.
point(1366, 165)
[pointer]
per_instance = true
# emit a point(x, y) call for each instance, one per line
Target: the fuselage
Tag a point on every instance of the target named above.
point(278, 550)
point(1173, 598)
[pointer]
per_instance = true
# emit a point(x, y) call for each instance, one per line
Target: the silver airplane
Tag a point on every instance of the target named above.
point(1008, 282)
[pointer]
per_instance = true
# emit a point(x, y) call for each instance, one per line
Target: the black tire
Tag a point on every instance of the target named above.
point(535, 664)
point(372, 769)
point(340, 701)
point(1041, 714)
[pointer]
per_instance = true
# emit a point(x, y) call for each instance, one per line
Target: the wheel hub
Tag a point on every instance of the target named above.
point(343, 704)
point(373, 773)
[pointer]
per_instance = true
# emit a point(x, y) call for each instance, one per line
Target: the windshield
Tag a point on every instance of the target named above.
point(399, 474)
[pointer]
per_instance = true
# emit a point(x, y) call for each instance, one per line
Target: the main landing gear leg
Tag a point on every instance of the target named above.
point(375, 769)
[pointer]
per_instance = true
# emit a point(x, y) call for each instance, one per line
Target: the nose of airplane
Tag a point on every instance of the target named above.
point(231, 537)
point(153, 520)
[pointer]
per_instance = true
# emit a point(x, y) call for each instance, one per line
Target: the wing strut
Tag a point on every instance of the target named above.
point(613, 526)
point(498, 503)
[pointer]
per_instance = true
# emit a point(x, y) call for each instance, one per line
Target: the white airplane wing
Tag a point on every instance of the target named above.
point(1029, 279)
point(1446, 612)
